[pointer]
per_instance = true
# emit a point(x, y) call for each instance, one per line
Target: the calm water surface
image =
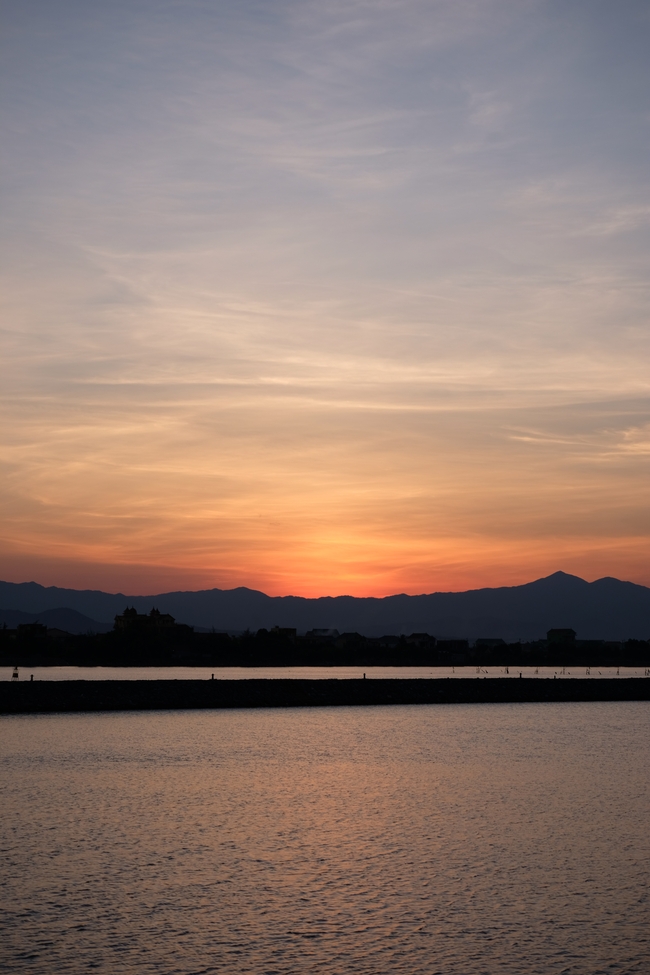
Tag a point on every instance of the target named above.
point(307, 673)
point(455, 840)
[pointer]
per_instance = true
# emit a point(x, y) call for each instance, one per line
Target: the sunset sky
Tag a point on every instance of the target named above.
point(324, 296)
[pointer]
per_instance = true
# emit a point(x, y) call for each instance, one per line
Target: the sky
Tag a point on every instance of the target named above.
point(323, 297)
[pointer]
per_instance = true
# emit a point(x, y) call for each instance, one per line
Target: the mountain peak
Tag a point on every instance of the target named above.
point(562, 575)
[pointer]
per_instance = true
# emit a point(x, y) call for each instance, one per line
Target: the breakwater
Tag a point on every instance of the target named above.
point(34, 697)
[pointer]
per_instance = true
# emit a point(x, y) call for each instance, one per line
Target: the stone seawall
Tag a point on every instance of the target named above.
point(25, 697)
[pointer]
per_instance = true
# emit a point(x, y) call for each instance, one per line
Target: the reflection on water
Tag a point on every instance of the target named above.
point(460, 840)
point(308, 673)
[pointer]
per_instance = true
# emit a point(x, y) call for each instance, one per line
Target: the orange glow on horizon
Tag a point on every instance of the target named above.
point(464, 568)
point(309, 502)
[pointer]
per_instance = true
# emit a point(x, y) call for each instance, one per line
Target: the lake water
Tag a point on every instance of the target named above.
point(456, 840)
point(306, 673)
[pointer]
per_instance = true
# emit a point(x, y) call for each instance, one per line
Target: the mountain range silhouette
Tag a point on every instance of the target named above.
point(606, 609)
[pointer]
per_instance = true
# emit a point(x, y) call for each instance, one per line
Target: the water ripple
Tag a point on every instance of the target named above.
point(461, 840)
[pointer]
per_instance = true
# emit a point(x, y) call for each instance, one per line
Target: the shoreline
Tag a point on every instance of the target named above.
point(52, 697)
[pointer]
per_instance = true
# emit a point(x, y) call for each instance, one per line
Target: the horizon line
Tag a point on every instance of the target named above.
point(558, 572)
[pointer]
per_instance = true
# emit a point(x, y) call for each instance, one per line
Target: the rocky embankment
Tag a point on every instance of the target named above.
point(34, 697)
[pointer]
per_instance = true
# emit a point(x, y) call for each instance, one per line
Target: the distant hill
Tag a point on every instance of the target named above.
point(606, 609)
point(60, 618)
